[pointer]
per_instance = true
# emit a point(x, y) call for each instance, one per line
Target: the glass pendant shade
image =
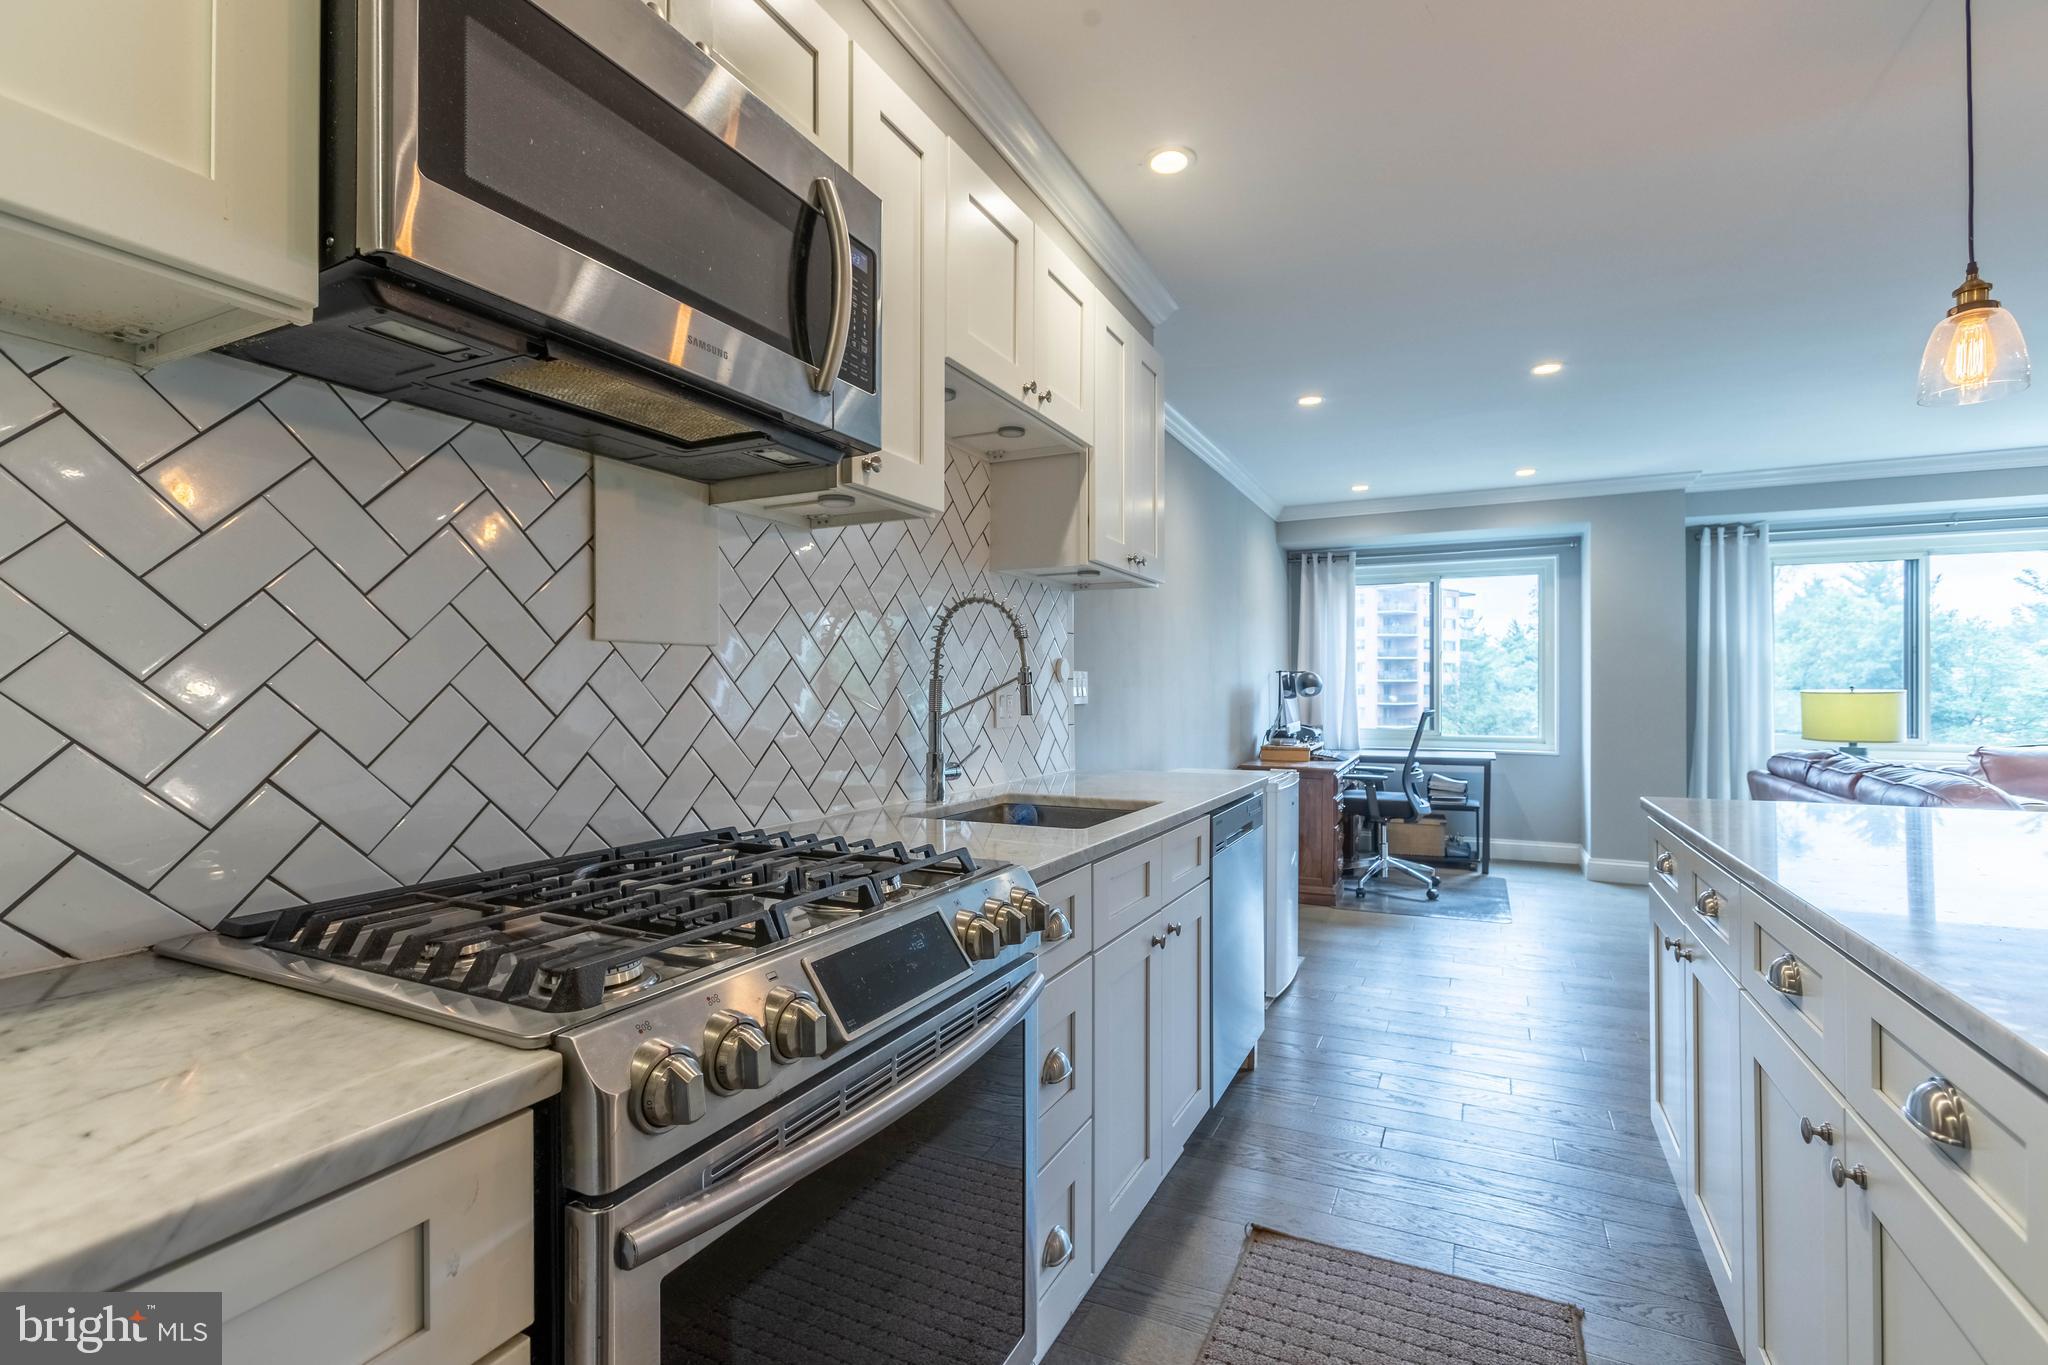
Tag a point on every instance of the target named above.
point(1976, 353)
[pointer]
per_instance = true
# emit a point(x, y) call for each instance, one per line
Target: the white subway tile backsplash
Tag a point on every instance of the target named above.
point(95, 704)
point(96, 493)
point(214, 475)
point(113, 403)
point(429, 703)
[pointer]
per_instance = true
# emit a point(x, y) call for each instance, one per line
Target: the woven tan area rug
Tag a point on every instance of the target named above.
point(1296, 1302)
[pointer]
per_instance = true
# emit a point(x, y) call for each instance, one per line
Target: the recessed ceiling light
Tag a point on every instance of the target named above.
point(1360, 487)
point(1548, 367)
point(1309, 400)
point(1170, 160)
point(1525, 473)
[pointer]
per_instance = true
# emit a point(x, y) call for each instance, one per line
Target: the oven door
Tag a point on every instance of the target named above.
point(884, 1216)
point(581, 161)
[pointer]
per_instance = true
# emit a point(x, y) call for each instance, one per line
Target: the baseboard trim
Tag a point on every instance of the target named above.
point(1536, 851)
point(1621, 871)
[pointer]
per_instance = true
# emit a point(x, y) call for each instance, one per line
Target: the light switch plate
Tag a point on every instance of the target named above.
point(1080, 687)
point(1006, 712)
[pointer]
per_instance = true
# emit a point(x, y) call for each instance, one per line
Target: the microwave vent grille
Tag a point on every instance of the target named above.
point(620, 399)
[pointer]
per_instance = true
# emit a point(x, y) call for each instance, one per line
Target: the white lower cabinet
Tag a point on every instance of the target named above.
point(1827, 1245)
point(428, 1263)
point(1066, 1223)
point(1128, 1007)
point(1184, 1019)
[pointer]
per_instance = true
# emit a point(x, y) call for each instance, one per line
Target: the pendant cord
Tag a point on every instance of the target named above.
point(1970, 129)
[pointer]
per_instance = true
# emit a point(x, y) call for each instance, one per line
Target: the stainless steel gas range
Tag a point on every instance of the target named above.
point(797, 1092)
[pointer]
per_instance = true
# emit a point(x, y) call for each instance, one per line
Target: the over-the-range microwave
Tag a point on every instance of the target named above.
point(561, 217)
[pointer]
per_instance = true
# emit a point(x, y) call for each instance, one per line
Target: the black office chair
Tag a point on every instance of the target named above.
point(1382, 796)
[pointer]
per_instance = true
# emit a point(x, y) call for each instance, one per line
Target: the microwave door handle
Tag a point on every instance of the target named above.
point(827, 374)
point(672, 1227)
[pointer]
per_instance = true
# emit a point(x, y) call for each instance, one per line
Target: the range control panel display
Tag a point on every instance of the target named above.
point(873, 977)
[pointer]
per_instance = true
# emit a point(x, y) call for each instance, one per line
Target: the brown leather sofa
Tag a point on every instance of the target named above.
point(1992, 779)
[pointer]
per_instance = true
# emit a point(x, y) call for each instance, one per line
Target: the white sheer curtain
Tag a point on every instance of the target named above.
point(1731, 720)
point(1325, 644)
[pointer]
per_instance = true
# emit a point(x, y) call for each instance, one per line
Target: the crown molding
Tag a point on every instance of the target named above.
point(1480, 497)
point(1218, 459)
point(940, 41)
point(1902, 467)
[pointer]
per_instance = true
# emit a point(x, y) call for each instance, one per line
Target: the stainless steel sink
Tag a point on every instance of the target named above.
point(1023, 810)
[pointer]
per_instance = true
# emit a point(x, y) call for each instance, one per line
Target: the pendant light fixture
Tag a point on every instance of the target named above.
point(1976, 352)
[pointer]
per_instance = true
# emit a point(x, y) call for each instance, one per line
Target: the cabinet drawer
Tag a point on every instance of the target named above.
point(1706, 896)
point(1066, 1230)
point(1183, 859)
point(1075, 894)
point(1127, 891)
point(1811, 1001)
point(1996, 1184)
point(1066, 1065)
point(427, 1263)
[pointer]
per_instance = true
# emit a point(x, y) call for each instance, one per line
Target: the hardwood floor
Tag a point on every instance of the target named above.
point(1462, 1095)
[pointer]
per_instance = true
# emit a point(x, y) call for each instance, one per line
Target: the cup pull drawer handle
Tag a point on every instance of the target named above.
point(1059, 1248)
point(1058, 1068)
point(1665, 863)
point(1785, 976)
point(1708, 903)
point(1935, 1107)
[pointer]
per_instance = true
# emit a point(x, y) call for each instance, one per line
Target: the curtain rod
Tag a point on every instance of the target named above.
point(1451, 551)
point(1842, 530)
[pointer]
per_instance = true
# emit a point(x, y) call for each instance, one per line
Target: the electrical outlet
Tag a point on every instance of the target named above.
point(1080, 687)
point(1006, 710)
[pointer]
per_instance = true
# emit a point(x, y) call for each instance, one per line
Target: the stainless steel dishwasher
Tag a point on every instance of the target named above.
point(1237, 915)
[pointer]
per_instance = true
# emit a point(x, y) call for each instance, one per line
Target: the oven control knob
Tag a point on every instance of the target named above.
point(1037, 910)
point(979, 937)
point(797, 1024)
point(737, 1052)
point(1010, 922)
point(669, 1086)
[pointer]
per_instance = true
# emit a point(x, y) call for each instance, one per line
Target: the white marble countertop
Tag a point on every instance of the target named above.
point(1171, 798)
point(154, 1108)
point(1948, 907)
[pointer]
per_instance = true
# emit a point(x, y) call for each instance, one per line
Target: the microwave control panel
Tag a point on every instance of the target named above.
point(859, 367)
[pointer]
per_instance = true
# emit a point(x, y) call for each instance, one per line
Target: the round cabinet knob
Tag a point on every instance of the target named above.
point(1843, 1174)
point(797, 1024)
point(671, 1087)
point(979, 937)
point(1809, 1132)
point(738, 1052)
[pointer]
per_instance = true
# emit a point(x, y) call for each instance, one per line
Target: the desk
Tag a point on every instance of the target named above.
point(1322, 842)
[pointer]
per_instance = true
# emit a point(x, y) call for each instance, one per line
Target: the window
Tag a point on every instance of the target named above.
point(1471, 639)
point(1960, 622)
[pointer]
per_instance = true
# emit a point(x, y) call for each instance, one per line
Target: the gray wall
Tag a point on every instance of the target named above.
point(1628, 669)
point(1179, 676)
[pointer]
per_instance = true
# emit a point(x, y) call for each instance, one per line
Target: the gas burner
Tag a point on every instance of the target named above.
point(569, 934)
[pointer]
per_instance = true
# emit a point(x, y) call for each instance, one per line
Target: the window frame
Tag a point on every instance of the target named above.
point(1913, 551)
point(1432, 571)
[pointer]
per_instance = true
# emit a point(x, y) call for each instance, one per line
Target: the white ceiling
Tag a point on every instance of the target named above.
point(1735, 222)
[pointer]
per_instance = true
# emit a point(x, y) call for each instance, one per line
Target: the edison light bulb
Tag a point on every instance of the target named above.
point(1975, 353)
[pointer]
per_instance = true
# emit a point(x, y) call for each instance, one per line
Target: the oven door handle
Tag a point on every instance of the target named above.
point(827, 374)
point(665, 1231)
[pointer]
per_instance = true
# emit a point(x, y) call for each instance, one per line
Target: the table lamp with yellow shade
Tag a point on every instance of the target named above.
point(1853, 717)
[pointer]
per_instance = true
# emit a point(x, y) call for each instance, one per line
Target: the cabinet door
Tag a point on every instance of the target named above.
point(1920, 1292)
point(1793, 1214)
point(900, 154)
point(1713, 1188)
point(1146, 483)
point(988, 278)
point(1066, 1240)
point(160, 159)
point(1063, 338)
point(1127, 1129)
point(791, 53)
point(1183, 1030)
point(1668, 1071)
point(1108, 463)
point(1066, 1066)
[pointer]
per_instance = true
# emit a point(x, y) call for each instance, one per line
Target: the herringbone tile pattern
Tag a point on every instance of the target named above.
point(262, 640)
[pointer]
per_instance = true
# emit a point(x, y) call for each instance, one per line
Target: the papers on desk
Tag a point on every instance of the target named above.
point(1442, 788)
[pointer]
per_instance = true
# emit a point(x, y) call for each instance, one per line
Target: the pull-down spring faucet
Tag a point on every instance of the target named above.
point(936, 769)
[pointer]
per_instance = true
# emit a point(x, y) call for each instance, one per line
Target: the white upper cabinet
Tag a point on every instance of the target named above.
point(1145, 457)
point(1109, 474)
point(789, 52)
point(159, 170)
point(1063, 308)
point(900, 154)
point(989, 293)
